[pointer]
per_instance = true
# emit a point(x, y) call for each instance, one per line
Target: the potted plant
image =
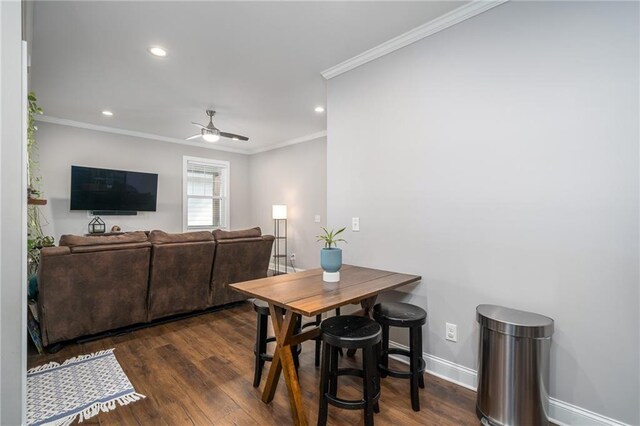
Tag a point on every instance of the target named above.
point(331, 255)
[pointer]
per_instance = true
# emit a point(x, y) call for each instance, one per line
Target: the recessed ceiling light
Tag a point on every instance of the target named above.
point(319, 109)
point(107, 113)
point(158, 51)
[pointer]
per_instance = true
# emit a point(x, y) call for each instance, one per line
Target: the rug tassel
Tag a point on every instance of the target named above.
point(70, 360)
point(43, 367)
point(88, 356)
point(95, 409)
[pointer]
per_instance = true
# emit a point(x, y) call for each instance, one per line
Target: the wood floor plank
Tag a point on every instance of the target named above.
point(199, 371)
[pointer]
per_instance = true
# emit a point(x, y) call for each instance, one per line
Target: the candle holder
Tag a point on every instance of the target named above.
point(97, 226)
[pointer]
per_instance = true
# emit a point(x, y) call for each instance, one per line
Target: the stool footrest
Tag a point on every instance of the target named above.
point(397, 373)
point(350, 372)
point(349, 404)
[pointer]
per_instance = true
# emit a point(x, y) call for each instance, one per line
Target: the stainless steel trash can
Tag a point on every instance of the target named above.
point(513, 371)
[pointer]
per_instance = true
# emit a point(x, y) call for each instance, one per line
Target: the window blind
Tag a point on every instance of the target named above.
point(206, 198)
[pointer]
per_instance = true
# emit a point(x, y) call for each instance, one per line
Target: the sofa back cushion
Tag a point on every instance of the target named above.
point(79, 240)
point(161, 237)
point(236, 260)
point(180, 272)
point(220, 234)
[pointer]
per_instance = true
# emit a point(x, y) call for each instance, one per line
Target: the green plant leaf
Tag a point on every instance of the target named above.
point(329, 237)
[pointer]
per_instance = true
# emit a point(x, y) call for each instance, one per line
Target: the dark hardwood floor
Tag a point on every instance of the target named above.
point(199, 371)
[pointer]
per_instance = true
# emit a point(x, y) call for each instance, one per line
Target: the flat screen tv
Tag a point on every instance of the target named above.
point(113, 190)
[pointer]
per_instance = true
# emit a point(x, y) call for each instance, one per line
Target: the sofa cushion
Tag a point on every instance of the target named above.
point(219, 234)
point(161, 237)
point(78, 240)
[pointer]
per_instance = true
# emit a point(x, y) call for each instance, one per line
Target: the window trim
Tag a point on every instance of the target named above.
point(226, 186)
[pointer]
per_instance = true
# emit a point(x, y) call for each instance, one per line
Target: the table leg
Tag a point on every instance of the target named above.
point(367, 307)
point(283, 362)
point(276, 366)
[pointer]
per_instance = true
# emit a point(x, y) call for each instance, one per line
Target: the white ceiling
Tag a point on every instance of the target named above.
point(257, 63)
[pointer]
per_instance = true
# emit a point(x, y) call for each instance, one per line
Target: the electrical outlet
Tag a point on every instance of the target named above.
point(293, 256)
point(316, 218)
point(451, 332)
point(355, 224)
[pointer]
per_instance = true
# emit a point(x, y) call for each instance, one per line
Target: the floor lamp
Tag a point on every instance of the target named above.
point(279, 214)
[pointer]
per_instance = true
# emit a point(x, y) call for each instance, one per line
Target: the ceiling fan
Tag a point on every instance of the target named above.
point(211, 133)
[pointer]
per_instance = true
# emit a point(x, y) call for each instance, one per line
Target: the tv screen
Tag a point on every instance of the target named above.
point(104, 189)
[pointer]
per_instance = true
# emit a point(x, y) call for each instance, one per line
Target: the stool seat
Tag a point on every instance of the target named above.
point(351, 332)
point(398, 314)
point(261, 307)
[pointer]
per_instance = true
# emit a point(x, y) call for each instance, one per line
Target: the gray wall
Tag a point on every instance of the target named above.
point(12, 218)
point(63, 146)
point(295, 176)
point(499, 160)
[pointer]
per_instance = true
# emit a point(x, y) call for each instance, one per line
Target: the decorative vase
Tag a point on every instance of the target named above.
point(331, 262)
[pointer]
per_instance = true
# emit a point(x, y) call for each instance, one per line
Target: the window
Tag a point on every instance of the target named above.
point(205, 196)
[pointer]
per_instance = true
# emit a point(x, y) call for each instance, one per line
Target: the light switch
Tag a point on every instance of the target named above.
point(355, 224)
point(316, 218)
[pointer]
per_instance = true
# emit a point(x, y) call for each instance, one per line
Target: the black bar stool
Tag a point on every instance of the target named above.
point(349, 332)
point(262, 339)
point(393, 314)
point(260, 348)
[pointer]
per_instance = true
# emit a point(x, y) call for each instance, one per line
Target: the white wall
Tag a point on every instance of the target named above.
point(13, 357)
point(296, 176)
point(499, 160)
point(63, 146)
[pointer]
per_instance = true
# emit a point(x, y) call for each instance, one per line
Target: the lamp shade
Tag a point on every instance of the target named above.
point(279, 211)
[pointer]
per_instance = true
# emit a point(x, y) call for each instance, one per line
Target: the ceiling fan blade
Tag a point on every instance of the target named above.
point(198, 124)
point(232, 136)
point(193, 137)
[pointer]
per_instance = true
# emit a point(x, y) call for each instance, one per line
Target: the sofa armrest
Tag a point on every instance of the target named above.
point(54, 251)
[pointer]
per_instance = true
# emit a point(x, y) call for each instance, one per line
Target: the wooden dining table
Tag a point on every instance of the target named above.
point(291, 296)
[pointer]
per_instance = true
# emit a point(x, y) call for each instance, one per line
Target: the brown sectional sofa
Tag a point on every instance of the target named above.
point(90, 285)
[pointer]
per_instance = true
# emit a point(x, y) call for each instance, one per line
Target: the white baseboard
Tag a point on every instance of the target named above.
point(272, 267)
point(560, 412)
point(439, 367)
point(565, 414)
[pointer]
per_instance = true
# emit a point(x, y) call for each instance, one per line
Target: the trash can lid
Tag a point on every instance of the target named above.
point(514, 322)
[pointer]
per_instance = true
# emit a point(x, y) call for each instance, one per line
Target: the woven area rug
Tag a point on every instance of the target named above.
point(79, 388)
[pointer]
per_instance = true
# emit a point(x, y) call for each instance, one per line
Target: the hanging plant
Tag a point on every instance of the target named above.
point(36, 238)
point(33, 178)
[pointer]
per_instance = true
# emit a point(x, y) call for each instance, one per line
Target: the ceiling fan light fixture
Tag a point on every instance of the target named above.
point(210, 135)
point(210, 132)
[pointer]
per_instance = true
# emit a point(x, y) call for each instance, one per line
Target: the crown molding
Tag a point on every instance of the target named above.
point(143, 135)
point(289, 142)
point(135, 134)
point(434, 26)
